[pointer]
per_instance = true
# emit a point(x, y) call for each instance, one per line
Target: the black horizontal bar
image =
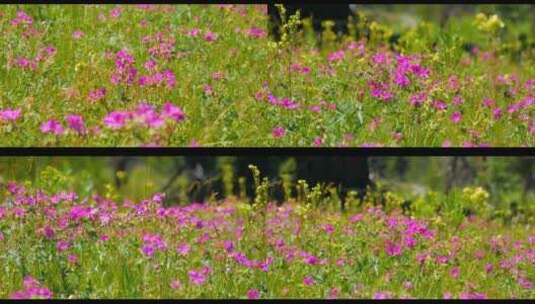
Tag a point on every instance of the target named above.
point(267, 152)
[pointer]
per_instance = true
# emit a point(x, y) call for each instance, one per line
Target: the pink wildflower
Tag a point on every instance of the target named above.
point(278, 132)
point(52, 126)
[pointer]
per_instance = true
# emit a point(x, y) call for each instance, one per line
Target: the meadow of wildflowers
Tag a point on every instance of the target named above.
point(210, 75)
point(60, 243)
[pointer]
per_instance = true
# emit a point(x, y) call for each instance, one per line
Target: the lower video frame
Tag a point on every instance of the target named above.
point(267, 227)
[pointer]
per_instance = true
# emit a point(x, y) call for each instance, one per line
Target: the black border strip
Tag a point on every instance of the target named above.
point(267, 151)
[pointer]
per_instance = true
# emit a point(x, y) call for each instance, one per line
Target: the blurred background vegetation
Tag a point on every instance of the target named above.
point(419, 28)
point(428, 184)
point(401, 17)
point(519, 20)
point(397, 13)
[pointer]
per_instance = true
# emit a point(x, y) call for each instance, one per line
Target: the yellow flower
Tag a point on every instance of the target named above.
point(243, 207)
point(486, 24)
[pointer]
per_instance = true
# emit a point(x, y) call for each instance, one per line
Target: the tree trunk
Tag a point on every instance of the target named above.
point(345, 172)
point(451, 172)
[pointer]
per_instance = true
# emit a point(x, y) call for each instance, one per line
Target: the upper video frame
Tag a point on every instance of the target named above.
point(249, 76)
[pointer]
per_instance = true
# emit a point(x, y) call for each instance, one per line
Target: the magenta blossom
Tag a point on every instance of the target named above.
point(497, 113)
point(253, 294)
point(193, 32)
point(308, 281)
point(456, 117)
point(457, 100)
point(336, 56)
point(380, 58)
point(439, 105)
point(197, 277)
point(75, 122)
point(525, 283)
point(472, 296)
point(148, 250)
point(228, 245)
point(401, 79)
point(117, 119)
point(183, 249)
point(151, 119)
point(256, 32)
point(284, 103)
point(420, 71)
point(356, 218)
point(392, 249)
point(116, 12)
point(62, 245)
point(173, 112)
point(381, 296)
point(77, 34)
point(32, 290)
point(48, 232)
point(380, 91)
point(210, 36)
point(278, 132)
point(328, 228)
point(453, 83)
point(22, 18)
point(26, 64)
point(10, 114)
point(417, 99)
point(333, 292)
point(125, 72)
point(97, 94)
point(72, 258)
point(488, 102)
point(150, 65)
point(52, 126)
point(175, 284)
point(455, 272)
point(310, 259)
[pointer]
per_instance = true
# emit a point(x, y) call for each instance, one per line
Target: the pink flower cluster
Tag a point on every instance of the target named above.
point(145, 114)
point(97, 94)
point(256, 32)
point(158, 79)
point(32, 290)
point(10, 114)
point(125, 72)
point(199, 276)
point(22, 18)
point(380, 91)
point(209, 36)
point(74, 122)
point(283, 103)
point(161, 45)
point(153, 243)
point(43, 54)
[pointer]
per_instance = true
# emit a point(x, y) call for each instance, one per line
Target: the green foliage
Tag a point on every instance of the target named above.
point(53, 179)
